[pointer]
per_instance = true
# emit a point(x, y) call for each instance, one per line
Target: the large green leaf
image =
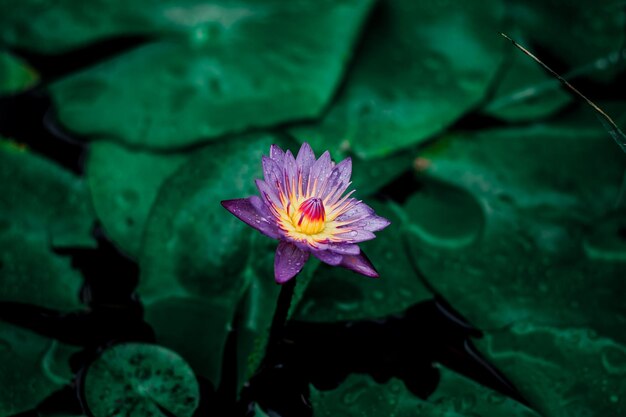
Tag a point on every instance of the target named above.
point(141, 380)
point(198, 260)
point(540, 263)
point(455, 396)
point(273, 62)
point(338, 294)
point(31, 368)
point(41, 207)
point(15, 75)
point(422, 66)
point(124, 184)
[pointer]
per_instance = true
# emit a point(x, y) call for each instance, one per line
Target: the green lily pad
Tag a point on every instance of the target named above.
point(31, 368)
point(41, 207)
point(576, 32)
point(337, 294)
point(141, 380)
point(562, 370)
point(198, 260)
point(368, 176)
point(124, 184)
point(38, 195)
point(15, 75)
point(538, 214)
point(526, 91)
point(542, 271)
point(422, 66)
point(361, 396)
point(233, 77)
point(445, 216)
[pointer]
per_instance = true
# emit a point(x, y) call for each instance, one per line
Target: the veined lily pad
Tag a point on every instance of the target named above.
point(141, 380)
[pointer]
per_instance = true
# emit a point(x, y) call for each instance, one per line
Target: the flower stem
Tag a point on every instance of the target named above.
point(280, 314)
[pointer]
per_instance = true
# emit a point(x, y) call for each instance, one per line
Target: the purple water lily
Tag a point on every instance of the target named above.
point(303, 205)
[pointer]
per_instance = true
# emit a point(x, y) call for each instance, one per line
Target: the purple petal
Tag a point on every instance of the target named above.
point(320, 170)
point(272, 173)
point(277, 154)
point(288, 262)
point(344, 248)
point(357, 211)
point(356, 235)
point(253, 212)
point(337, 182)
point(304, 161)
point(290, 173)
point(268, 193)
point(331, 258)
point(359, 263)
point(372, 223)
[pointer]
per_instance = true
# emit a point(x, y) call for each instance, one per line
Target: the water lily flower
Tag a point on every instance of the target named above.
point(302, 204)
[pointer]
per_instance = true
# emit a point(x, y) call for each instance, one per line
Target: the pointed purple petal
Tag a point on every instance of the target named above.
point(320, 170)
point(304, 161)
point(272, 173)
point(344, 248)
point(277, 154)
point(357, 211)
point(359, 263)
point(356, 235)
point(268, 193)
point(331, 258)
point(250, 211)
point(371, 223)
point(290, 173)
point(288, 262)
point(337, 182)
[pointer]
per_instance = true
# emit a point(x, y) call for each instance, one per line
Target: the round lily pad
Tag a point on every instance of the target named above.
point(140, 380)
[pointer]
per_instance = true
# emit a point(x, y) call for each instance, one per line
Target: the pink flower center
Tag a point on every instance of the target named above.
point(310, 217)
